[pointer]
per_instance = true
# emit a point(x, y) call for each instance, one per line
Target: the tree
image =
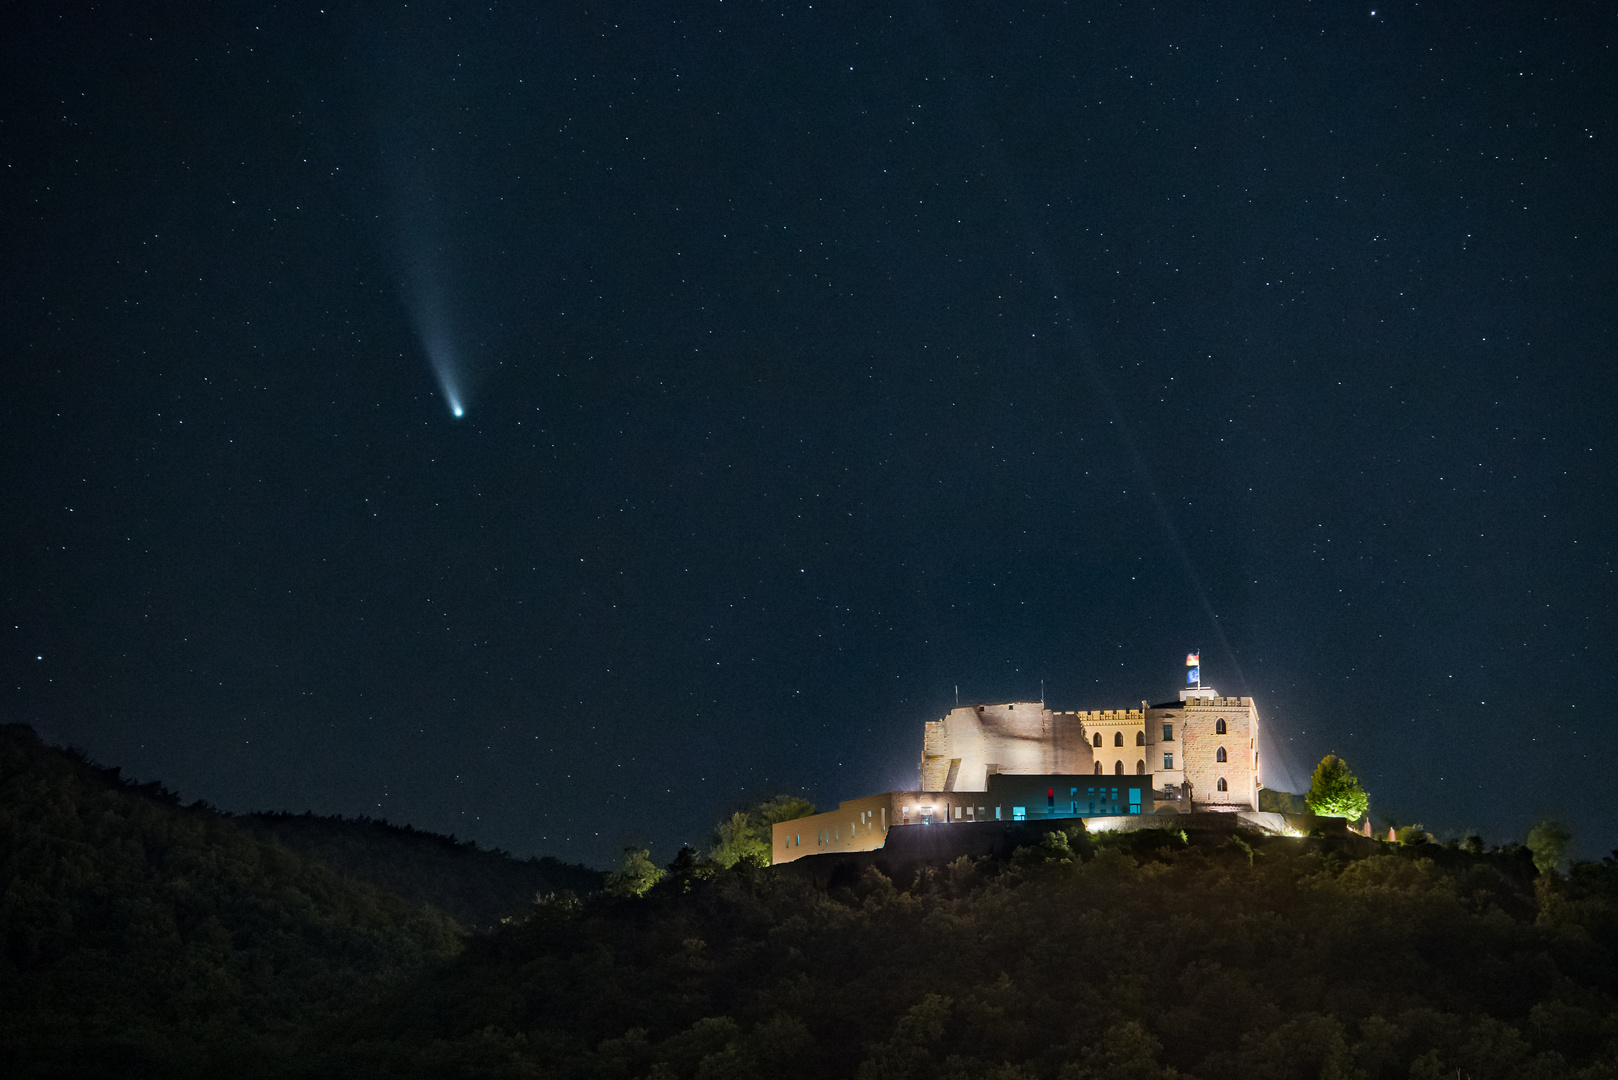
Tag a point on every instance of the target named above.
point(746, 836)
point(1336, 792)
point(635, 875)
point(1549, 841)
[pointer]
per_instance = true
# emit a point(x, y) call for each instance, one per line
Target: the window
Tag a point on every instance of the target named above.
point(1117, 738)
point(1219, 754)
point(1134, 800)
point(1168, 761)
point(1019, 813)
point(1222, 786)
point(1098, 738)
point(1118, 769)
point(1219, 726)
point(957, 813)
point(1168, 732)
point(1140, 768)
point(997, 813)
point(1098, 764)
point(1168, 791)
point(1140, 738)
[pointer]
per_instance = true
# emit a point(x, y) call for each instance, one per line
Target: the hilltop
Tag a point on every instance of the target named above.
point(147, 938)
point(477, 886)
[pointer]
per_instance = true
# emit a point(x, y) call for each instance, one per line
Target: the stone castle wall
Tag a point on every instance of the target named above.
point(960, 751)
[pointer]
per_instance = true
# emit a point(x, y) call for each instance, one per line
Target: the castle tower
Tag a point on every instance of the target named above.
point(1204, 751)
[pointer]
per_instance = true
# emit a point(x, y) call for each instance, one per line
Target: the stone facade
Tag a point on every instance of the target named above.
point(962, 750)
point(1185, 740)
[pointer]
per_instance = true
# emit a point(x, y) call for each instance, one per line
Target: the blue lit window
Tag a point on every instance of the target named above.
point(1019, 813)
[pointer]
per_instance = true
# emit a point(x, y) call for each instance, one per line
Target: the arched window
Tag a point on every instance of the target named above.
point(1222, 785)
point(1098, 738)
point(1140, 738)
point(1140, 768)
point(1098, 764)
point(1219, 726)
point(1219, 755)
point(1117, 738)
point(1118, 768)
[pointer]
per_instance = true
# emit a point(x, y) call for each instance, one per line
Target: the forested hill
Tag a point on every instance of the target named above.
point(1130, 957)
point(146, 938)
point(139, 937)
point(478, 886)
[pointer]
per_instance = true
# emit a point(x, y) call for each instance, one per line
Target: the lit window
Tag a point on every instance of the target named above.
point(1019, 813)
point(1219, 754)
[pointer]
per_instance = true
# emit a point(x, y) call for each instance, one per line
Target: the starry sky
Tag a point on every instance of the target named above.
point(817, 363)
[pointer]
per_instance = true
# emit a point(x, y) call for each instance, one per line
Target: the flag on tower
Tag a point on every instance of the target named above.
point(1192, 659)
point(1193, 677)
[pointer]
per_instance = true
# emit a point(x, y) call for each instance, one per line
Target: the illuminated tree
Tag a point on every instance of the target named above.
point(736, 840)
point(746, 836)
point(1336, 792)
point(635, 875)
point(1549, 841)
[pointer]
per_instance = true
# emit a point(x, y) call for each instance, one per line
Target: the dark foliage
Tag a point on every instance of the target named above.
point(145, 938)
point(140, 937)
point(1141, 956)
point(478, 886)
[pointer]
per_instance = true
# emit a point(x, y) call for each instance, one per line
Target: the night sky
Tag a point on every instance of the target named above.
point(815, 361)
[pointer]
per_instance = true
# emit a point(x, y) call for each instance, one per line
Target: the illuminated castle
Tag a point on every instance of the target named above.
point(1019, 760)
